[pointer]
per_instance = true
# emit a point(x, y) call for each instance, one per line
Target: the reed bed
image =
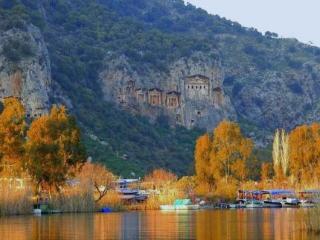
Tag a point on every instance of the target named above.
point(76, 199)
point(15, 201)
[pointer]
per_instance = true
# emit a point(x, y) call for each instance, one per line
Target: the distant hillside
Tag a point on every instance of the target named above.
point(95, 48)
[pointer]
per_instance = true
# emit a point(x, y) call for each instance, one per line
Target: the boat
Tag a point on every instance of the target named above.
point(237, 204)
point(129, 194)
point(290, 202)
point(305, 203)
point(43, 208)
point(277, 198)
point(309, 198)
point(254, 204)
point(181, 204)
point(272, 203)
point(37, 211)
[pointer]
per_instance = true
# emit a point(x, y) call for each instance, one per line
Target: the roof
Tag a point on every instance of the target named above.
point(250, 191)
point(271, 191)
point(277, 191)
point(173, 92)
point(127, 180)
point(310, 191)
point(155, 89)
point(140, 89)
point(197, 75)
point(180, 202)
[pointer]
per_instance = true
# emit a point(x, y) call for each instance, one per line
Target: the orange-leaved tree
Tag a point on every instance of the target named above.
point(53, 150)
point(99, 177)
point(266, 172)
point(12, 135)
point(230, 151)
point(222, 156)
point(160, 178)
point(305, 153)
point(202, 161)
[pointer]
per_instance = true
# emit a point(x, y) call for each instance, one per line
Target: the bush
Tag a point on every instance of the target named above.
point(113, 200)
point(15, 50)
point(296, 88)
point(294, 64)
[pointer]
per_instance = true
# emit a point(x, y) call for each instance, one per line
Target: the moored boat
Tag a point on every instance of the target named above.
point(181, 204)
point(237, 204)
point(277, 198)
point(309, 198)
point(290, 202)
point(271, 203)
point(254, 204)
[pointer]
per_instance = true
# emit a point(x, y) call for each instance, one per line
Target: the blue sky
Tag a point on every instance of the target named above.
point(289, 18)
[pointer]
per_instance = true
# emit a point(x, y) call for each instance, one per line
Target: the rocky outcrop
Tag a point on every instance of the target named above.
point(190, 94)
point(25, 69)
point(273, 99)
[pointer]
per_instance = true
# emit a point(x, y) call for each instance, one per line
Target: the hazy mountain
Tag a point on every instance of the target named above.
point(138, 73)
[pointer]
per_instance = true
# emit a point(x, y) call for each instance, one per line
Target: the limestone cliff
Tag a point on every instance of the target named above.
point(25, 69)
point(191, 93)
point(273, 99)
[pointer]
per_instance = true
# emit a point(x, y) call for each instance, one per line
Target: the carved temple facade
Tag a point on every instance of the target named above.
point(188, 103)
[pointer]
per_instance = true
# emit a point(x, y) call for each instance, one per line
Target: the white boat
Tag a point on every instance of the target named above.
point(181, 204)
point(37, 211)
point(254, 204)
point(290, 202)
point(309, 198)
point(307, 204)
point(277, 198)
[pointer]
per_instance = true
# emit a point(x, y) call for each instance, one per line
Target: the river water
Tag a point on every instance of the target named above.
point(279, 224)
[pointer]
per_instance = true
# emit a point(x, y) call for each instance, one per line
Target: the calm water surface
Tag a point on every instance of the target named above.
point(214, 224)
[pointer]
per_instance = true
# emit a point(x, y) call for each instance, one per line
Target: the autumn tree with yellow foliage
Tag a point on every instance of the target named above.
point(53, 151)
point(202, 163)
point(12, 135)
point(221, 159)
point(160, 178)
point(305, 153)
point(266, 172)
point(99, 177)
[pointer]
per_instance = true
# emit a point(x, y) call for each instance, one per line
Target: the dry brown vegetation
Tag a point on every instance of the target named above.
point(74, 199)
point(14, 201)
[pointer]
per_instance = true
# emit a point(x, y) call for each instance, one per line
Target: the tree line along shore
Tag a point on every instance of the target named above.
point(43, 161)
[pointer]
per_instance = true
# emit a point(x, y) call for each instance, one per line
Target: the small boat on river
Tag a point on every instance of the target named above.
point(237, 204)
point(277, 198)
point(309, 198)
point(181, 204)
point(254, 204)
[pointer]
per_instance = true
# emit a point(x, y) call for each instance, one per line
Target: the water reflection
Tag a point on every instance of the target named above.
point(264, 224)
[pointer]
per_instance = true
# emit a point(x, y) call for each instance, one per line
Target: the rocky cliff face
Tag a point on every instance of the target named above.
point(199, 92)
point(25, 69)
point(274, 99)
point(191, 93)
